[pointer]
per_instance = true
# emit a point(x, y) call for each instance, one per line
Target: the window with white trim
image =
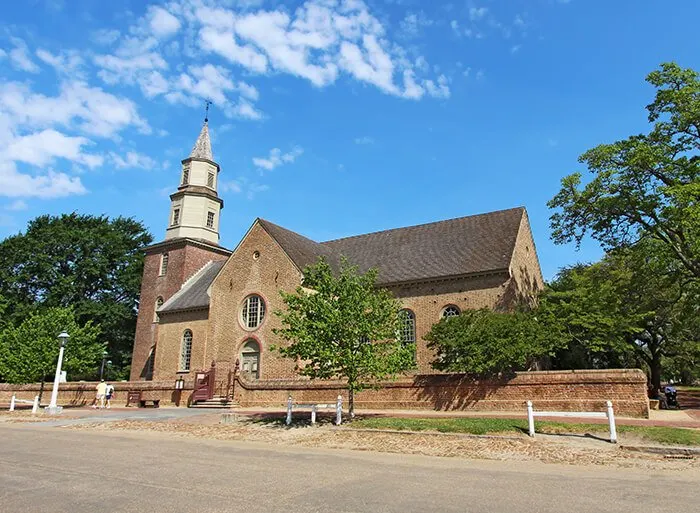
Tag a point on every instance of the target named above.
point(176, 216)
point(253, 312)
point(163, 264)
point(186, 351)
point(210, 180)
point(210, 219)
point(450, 311)
point(408, 326)
point(186, 174)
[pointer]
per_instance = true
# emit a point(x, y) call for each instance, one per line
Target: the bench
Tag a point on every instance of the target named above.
point(136, 397)
point(337, 406)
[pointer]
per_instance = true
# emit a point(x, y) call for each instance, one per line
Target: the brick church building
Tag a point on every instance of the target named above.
point(202, 303)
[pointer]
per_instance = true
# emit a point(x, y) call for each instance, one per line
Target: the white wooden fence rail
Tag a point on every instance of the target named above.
point(34, 403)
point(609, 414)
point(337, 406)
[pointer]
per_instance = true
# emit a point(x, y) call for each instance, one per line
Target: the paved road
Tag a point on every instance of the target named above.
point(56, 470)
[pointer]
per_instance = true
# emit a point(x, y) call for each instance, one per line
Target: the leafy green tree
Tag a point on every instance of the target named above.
point(341, 326)
point(29, 352)
point(91, 264)
point(487, 343)
point(647, 185)
point(627, 309)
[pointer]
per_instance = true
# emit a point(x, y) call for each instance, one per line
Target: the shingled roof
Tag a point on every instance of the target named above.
point(455, 247)
point(193, 294)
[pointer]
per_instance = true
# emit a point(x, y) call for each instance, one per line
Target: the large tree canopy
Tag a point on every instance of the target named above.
point(486, 343)
point(340, 326)
point(28, 352)
point(91, 264)
point(647, 185)
point(629, 308)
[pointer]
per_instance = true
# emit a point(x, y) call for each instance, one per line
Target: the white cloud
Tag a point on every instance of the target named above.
point(413, 22)
point(19, 56)
point(89, 109)
point(132, 160)
point(364, 140)
point(105, 36)
point(163, 24)
point(230, 186)
point(3, 54)
point(67, 62)
point(439, 89)
point(41, 148)
point(476, 13)
point(277, 158)
point(17, 205)
point(515, 48)
point(51, 184)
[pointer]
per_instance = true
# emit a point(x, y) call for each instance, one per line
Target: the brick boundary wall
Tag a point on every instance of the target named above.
point(82, 393)
point(581, 390)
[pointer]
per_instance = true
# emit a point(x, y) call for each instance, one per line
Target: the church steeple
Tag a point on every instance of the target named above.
point(195, 207)
point(202, 148)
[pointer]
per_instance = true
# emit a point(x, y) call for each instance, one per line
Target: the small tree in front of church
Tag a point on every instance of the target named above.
point(341, 326)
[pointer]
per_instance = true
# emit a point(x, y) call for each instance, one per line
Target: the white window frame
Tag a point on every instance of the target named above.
point(210, 180)
point(408, 326)
point(211, 215)
point(176, 216)
point(186, 351)
point(253, 312)
point(164, 257)
point(159, 303)
point(448, 310)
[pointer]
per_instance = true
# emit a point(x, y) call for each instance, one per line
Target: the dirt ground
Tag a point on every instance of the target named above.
point(574, 450)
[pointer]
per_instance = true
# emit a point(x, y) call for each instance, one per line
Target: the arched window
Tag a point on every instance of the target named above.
point(150, 364)
point(163, 264)
point(253, 312)
point(159, 303)
point(186, 351)
point(450, 311)
point(408, 326)
point(250, 359)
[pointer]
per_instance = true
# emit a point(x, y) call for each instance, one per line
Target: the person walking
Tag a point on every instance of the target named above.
point(109, 392)
point(101, 390)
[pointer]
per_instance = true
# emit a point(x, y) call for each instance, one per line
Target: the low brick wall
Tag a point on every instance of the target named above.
point(82, 393)
point(584, 390)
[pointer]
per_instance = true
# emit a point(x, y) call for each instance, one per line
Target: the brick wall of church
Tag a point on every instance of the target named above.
point(171, 329)
point(184, 259)
point(241, 276)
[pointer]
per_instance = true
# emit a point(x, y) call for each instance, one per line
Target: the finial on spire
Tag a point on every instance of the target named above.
point(206, 112)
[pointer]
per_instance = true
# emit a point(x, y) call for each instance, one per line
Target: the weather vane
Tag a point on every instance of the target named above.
point(206, 113)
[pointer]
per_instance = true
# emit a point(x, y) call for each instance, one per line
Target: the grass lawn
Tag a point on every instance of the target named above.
point(477, 426)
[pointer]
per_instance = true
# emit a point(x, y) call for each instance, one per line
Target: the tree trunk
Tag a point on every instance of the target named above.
point(655, 368)
point(351, 403)
point(41, 390)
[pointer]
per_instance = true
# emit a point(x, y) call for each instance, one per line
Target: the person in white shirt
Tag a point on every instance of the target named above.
point(101, 389)
point(109, 392)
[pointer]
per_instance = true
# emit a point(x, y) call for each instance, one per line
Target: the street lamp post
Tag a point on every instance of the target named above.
point(102, 367)
point(53, 408)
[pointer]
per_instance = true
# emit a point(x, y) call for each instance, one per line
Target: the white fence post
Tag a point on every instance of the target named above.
point(289, 410)
point(339, 411)
point(530, 419)
point(35, 406)
point(12, 403)
point(313, 414)
point(611, 421)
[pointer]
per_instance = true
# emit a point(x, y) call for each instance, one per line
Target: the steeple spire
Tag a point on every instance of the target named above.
point(202, 148)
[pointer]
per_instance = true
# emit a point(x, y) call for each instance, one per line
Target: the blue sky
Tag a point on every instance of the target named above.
point(330, 117)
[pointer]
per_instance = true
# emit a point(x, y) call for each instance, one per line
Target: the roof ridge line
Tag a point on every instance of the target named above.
point(421, 224)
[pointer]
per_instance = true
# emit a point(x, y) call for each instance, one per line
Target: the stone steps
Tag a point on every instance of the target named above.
point(214, 402)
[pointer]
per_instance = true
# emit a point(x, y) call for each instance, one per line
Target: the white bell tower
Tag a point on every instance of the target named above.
point(196, 206)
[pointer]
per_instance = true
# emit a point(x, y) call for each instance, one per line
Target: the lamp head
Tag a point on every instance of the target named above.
point(63, 338)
